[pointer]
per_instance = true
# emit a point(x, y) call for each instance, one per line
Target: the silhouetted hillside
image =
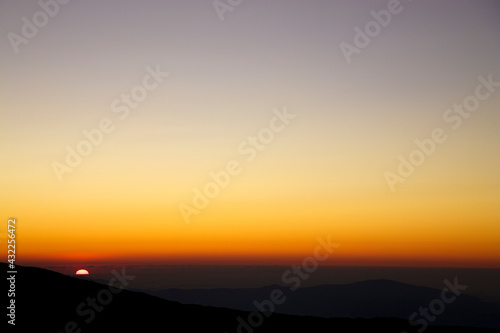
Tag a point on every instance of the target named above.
point(51, 302)
point(367, 299)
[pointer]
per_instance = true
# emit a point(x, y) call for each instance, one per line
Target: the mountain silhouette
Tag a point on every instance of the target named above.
point(47, 301)
point(366, 299)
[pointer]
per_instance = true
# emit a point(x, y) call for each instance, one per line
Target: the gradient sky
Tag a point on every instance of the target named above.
point(323, 175)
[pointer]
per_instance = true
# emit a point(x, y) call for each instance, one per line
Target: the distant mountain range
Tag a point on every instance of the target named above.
point(47, 301)
point(367, 299)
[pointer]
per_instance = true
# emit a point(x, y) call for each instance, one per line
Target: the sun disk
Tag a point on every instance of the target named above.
point(82, 272)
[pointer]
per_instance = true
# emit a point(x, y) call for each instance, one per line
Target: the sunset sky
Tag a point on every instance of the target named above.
point(323, 173)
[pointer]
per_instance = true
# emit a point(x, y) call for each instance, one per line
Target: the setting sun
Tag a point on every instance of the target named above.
point(82, 272)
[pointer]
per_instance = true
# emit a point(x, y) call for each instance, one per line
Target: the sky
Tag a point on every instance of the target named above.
point(306, 137)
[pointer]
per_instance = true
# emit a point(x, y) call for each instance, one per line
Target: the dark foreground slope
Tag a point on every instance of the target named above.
point(47, 301)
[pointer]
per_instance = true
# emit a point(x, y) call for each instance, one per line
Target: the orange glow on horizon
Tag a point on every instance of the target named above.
point(337, 259)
